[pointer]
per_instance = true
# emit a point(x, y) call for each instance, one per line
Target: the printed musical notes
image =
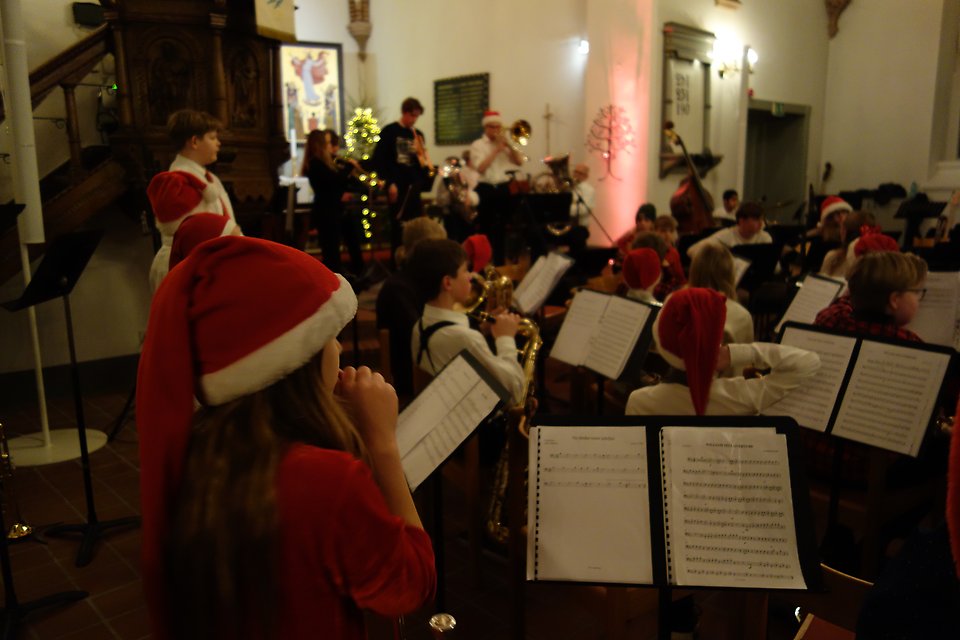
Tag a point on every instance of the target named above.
point(444, 415)
point(543, 276)
point(815, 294)
point(601, 332)
point(729, 508)
point(589, 493)
point(938, 317)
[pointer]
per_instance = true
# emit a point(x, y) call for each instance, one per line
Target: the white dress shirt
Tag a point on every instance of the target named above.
point(497, 171)
point(730, 237)
point(790, 367)
point(447, 342)
point(579, 213)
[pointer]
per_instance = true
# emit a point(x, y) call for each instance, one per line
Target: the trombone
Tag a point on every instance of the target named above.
point(19, 529)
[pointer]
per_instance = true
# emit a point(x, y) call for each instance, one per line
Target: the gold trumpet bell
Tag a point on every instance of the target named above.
point(520, 132)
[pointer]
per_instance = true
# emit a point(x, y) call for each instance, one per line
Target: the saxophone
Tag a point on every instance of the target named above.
point(493, 286)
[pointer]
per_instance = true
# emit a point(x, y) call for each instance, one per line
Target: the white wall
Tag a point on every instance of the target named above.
point(790, 37)
point(528, 48)
point(49, 30)
point(881, 87)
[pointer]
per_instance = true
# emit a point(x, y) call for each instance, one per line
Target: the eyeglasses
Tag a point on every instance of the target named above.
point(920, 293)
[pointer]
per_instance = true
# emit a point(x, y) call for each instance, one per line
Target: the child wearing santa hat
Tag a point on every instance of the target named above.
point(197, 229)
point(280, 508)
point(188, 187)
point(641, 273)
point(688, 333)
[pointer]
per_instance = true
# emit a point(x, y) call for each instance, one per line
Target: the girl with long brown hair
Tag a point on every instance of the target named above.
point(279, 509)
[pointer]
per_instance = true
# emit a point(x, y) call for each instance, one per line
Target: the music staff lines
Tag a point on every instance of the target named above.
point(583, 468)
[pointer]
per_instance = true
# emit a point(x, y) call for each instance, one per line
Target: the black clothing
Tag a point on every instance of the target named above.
point(328, 217)
point(395, 161)
point(398, 309)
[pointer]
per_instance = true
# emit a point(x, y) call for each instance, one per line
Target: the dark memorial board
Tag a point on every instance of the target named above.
point(459, 104)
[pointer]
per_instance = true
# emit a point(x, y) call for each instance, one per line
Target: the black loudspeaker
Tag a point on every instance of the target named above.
point(87, 14)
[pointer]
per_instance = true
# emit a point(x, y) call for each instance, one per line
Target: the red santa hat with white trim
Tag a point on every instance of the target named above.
point(491, 117)
point(832, 205)
point(479, 251)
point(237, 315)
point(688, 332)
point(641, 268)
point(198, 228)
point(174, 195)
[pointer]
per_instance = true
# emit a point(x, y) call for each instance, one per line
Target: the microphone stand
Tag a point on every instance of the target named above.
point(580, 201)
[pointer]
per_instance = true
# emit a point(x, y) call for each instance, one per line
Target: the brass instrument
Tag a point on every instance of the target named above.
point(441, 624)
point(520, 132)
point(456, 186)
point(497, 290)
point(19, 529)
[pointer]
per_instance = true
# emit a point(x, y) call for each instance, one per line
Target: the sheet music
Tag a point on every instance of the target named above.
point(812, 402)
point(891, 396)
point(616, 336)
point(582, 319)
point(730, 508)
point(740, 266)
point(589, 505)
point(936, 320)
point(441, 418)
point(815, 295)
point(536, 286)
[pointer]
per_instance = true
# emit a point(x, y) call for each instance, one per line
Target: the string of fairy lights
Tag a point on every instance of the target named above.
point(361, 136)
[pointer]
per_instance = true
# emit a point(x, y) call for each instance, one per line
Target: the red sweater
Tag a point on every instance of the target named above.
point(342, 550)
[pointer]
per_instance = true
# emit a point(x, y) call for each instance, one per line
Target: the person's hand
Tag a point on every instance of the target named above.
point(373, 405)
point(723, 358)
point(356, 165)
point(392, 194)
point(506, 324)
point(346, 197)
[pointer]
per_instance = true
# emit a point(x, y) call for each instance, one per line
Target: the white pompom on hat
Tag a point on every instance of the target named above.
point(492, 117)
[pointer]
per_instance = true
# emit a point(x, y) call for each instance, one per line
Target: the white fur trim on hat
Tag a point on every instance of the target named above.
point(673, 360)
point(834, 207)
point(284, 354)
point(492, 117)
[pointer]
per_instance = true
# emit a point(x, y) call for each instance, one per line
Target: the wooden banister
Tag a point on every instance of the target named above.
point(68, 67)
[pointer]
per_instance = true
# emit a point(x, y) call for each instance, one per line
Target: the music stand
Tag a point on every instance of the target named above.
point(8, 214)
point(763, 261)
point(58, 273)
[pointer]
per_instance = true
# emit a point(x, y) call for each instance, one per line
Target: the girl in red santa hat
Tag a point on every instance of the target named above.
point(279, 509)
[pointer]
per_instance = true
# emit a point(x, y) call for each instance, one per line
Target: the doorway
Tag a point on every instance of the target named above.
point(776, 158)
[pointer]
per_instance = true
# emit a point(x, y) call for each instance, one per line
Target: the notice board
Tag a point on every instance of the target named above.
point(460, 103)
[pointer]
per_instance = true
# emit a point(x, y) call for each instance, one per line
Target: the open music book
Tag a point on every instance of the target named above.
point(543, 276)
point(814, 294)
point(740, 266)
point(438, 420)
point(709, 502)
point(878, 392)
point(938, 318)
point(601, 331)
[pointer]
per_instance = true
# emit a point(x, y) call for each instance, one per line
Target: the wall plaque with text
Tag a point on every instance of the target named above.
point(459, 104)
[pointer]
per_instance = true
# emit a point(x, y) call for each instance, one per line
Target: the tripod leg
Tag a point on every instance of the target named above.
point(122, 418)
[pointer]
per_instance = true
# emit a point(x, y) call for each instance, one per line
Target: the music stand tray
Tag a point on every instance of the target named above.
point(62, 265)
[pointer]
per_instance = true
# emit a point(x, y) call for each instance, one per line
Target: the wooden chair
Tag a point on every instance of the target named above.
point(463, 472)
point(832, 615)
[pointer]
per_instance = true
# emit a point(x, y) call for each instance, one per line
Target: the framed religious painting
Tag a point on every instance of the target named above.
point(311, 82)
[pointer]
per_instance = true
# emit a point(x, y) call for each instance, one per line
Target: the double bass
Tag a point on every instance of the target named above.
point(691, 204)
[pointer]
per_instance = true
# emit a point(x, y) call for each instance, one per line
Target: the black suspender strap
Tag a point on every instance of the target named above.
point(425, 335)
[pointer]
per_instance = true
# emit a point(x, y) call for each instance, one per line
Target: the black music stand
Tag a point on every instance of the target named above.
point(62, 265)
point(13, 610)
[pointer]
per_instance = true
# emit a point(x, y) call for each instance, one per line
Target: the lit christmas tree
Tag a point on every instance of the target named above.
point(362, 134)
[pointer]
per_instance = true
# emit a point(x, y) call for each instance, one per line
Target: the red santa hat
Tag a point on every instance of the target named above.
point(479, 251)
point(641, 268)
point(237, 315)
point(688, 332)
point(491, 117)
point(174, 195)
point(953, 491)
point(873, 241)
point(832, 205)
point(198, 228)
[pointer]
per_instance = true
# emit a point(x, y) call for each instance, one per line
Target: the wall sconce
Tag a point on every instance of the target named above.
point(584, 46)
point(728, 54)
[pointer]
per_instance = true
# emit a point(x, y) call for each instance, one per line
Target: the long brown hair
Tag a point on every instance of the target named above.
point(316, 148)
point(223, 549)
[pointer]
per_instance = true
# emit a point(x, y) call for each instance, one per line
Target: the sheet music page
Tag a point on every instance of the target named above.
point(890, 397)
point(740, 266)
point(815, 295)
point(730, 508)
point(536, 286)
point(617, 335)
point(936, 320)
point(811, 403)
point(441, 417)
point(589, 505)
point(579, 326)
